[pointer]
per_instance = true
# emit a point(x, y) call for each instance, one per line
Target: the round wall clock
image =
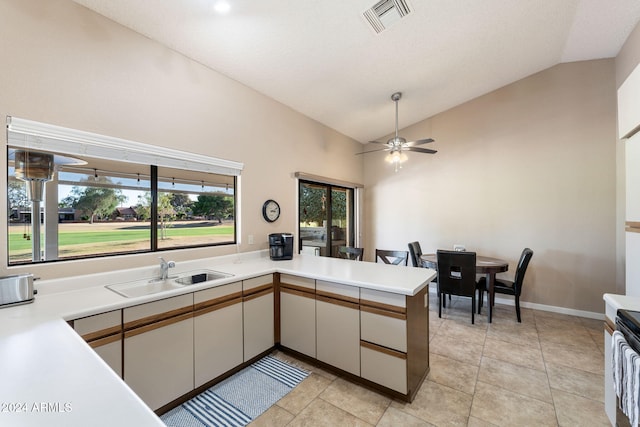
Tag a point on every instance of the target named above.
point(271, 210)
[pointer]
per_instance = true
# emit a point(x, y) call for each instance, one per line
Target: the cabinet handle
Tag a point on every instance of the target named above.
point(209, 308)
point(105, 340)
point(258, 294)
point(92, 336)
point(339, 302)
point(301, 293)
point(381, 312)
point(384, 350)
point(157, 325)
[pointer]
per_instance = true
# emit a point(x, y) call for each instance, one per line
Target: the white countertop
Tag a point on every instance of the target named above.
point(614, 302)
point(50, 376)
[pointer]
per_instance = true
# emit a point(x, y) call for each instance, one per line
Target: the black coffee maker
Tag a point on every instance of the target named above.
point(281, 246)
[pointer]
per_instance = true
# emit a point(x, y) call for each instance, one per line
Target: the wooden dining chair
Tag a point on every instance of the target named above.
point(392, 257)
point(457, 276)
point(508, 287)
point(349, 252)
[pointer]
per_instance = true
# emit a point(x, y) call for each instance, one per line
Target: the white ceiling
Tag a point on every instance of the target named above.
point(323, 59)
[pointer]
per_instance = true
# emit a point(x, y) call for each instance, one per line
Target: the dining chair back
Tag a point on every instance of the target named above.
point(509, 287)
point(392, 257)
point(349, 252)
point(415, 252)
point(457, 276)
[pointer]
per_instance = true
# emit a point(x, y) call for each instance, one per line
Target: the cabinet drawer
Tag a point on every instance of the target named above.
point(217, 295)
point(384, 367)
point(387, 300)
point(388, 329)
point(143, 314)
point(303, 282)
point(256, 282)
point(338, 290)
point(99, 326)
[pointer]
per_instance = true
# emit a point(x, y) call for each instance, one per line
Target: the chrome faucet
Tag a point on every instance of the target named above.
point(164, 268)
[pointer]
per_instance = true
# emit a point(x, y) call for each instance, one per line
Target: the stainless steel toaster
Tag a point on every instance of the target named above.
point(16, 289)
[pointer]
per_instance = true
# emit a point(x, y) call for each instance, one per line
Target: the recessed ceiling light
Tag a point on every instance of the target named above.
point(222, 6)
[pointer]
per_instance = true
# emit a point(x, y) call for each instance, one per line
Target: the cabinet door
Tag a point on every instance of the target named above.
point(609, 391)
point(298, 314)
point(629, 104)
point(158, 349)
point(338, 326)
point(258, 308)
point(298, 321)
point(217, 331)
point(103, 332)
point(632, 177)
point(338, 334)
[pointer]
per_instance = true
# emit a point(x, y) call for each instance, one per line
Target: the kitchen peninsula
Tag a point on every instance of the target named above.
point(51, 376)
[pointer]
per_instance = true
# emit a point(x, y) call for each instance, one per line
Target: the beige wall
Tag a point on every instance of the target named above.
point(65, 65)
point(531, 164)
point(628, 58)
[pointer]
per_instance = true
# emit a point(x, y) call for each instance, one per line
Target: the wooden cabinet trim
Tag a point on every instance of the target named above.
point(258, 290)
point(384, 350)
point(609, 326)
point(330, 295)
point(336, 301)
point(157, 325)
point(255, 295)
point(632, 226)
point(152, 320)
point(105, 340)
point(102, 333)
point(215, 301)
point(382, 312)
point(382, 306)
point(297, 288)
point(303, 292)
point(220, 305)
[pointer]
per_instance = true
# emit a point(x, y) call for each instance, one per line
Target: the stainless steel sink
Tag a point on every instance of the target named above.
point(144, 287)
point(201, 276)
point(147, 287)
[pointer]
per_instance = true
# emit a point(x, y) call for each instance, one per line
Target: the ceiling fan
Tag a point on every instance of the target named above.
point(397, 145)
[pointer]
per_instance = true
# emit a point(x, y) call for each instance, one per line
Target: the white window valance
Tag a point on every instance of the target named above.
point(50, 138)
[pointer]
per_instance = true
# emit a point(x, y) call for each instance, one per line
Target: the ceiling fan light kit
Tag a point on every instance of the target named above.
point(398, 146)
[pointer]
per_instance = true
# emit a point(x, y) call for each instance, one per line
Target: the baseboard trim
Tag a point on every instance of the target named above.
point(542, 307)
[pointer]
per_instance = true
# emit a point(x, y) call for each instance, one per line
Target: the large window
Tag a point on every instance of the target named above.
point(65, 204)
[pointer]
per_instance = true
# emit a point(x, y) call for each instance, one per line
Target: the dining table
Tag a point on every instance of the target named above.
point(488, 266)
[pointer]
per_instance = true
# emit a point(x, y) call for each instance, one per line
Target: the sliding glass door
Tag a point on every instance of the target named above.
point(326, 215)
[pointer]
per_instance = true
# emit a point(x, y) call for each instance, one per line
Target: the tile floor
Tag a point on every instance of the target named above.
point(545, 371)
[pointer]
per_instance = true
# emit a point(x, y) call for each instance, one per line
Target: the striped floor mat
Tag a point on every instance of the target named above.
point(240, 398)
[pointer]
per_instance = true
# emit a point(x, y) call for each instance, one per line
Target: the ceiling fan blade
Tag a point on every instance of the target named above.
point(420, 150)
point(419, 142)
point(376, 142)
point(373, 151)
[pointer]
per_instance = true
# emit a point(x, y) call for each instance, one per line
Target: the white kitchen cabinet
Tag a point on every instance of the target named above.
point(217, 331)
point(258, 315)
point(298, 314)
point(629, 104)
point(632, 179)
point(158, 349)
point(609, 391)
point(338, 325)
point(103, 332)
point(384, 338)
point(384, 366)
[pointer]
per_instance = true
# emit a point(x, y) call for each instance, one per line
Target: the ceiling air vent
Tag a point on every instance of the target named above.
point(386, 13)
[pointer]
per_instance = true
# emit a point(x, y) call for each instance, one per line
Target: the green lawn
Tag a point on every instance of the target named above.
point(78, 239)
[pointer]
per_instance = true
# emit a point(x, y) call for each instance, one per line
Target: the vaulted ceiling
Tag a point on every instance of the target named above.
point(325, 60)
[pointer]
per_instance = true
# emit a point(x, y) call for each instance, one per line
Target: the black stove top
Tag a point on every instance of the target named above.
point(628, 322)
point(631, 319)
